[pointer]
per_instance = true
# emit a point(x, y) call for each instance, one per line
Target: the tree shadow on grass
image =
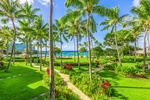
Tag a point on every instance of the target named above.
point(131, 87)
point(108, 74)
point(118, 95)
point(23, 87)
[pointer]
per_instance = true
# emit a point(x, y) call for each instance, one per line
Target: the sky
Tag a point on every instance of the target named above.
point(60, 10)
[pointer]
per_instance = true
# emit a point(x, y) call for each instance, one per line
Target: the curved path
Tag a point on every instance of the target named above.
point(72, 87)
point(97, 69)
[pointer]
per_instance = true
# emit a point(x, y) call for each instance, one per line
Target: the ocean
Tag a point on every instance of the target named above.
point(66, 54)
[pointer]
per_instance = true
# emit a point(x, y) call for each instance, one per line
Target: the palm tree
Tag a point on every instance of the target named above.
point(90, 6)
point(6, 35)
point(40, 30)
point(8, 8)
point(72, 21)
point(51, 52)
point(112, 22)
point(24, 29)
point(28, 12)
point(143, 13)
point(60, 29)
point(134, 33)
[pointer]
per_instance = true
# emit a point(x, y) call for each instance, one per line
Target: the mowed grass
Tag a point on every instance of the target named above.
point(24, 87)
point(127, 88)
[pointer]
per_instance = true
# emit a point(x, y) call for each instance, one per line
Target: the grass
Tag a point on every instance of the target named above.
point(127, 88)
point(25, 87)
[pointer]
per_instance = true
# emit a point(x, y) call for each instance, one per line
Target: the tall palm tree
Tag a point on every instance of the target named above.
point(112, 22)
point(88, 6)
point(134, 32)
point(8, 9)
point(143, 13)
point(40, 29)
point(28, 12)
point(24, 29)
point(72, 21)
point(51, 52)
point(60, 29)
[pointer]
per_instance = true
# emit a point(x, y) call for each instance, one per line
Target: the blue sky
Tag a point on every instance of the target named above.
point(60, 10)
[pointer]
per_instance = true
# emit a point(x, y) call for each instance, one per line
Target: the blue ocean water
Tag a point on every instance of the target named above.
point(66, 53)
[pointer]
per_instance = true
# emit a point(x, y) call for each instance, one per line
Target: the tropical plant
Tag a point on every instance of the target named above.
point(8, 9)
point(40, 29)
point(89, 7)
point(113, 21)
point(143, 13)
point(59, 28)
point(29, 13)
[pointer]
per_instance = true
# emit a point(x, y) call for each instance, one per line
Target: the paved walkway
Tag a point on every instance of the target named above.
point(97, 69)
point(72, 87)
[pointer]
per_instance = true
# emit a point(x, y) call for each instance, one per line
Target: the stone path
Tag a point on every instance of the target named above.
point(97, 69)
point(66, 79)
point(10, 77)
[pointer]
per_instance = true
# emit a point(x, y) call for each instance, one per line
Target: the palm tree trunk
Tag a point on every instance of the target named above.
point(45, 50)
point(61, 49)
point(7, 50)
point(40, 54)
point(27, 57)
point(30, 51)
point(14, 40)
point(135, 51)
point(51, 58)
point(144, 48)
point(117, 45)
point(78, 51)
point(74, 50)
point(89, 46)
point(14, 54)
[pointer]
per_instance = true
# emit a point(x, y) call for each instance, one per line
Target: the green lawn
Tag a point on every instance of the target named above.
point(127, 88)
point(24, 87)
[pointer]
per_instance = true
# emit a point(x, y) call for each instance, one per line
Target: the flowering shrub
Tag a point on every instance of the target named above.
point(48, 71)
point(104, 85)
point(69, 67)
point(97, 62)
point(89, 87)
point(65, 66)
point(25, 58)
point(1, 64)
point(61, 91)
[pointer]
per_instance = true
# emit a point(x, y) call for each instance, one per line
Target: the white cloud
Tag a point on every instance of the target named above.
point(29, 1)
point(67, 47)
point(44, 2)
point(136, 3)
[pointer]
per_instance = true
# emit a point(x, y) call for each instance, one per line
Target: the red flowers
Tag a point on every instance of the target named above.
point(86, 82)
point(142, 65)
point(65, 66)
point(1, 63)
point(104, 85)
point(48, 71)
point(97, 62)
point(68, 66)
point(25, 58)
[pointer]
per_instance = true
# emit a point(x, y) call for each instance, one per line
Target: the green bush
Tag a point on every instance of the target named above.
point(125, 70)
point(111, 66)
point(61, 91)
point(90, 88)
